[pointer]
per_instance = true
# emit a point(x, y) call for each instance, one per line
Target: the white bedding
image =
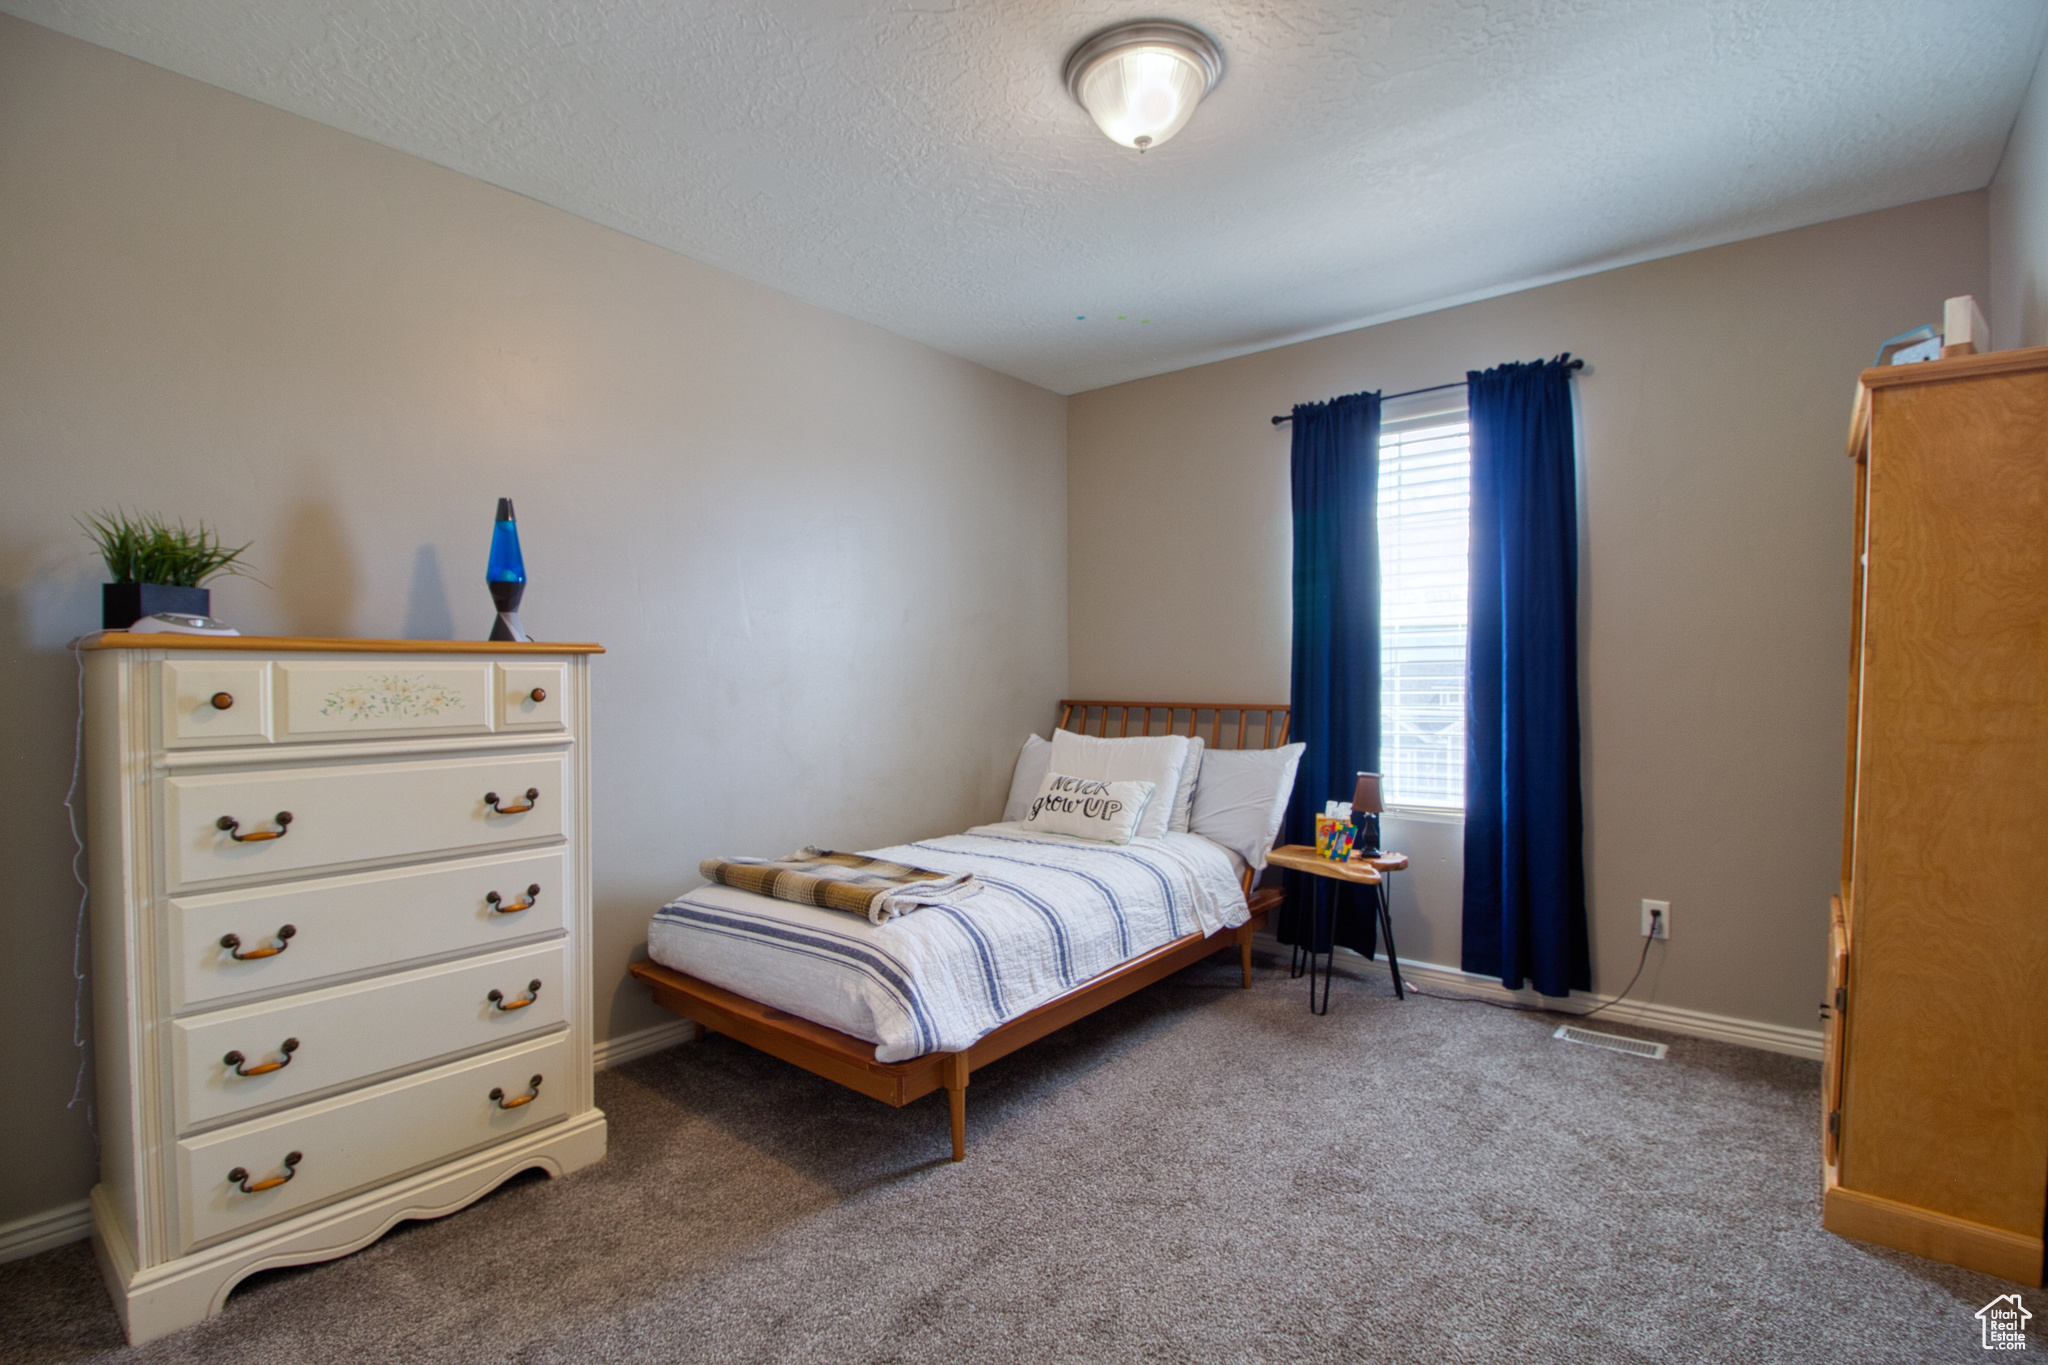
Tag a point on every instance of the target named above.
point(1053, 913)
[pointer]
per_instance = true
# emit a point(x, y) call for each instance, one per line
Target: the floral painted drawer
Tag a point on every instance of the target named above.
point(335, 699)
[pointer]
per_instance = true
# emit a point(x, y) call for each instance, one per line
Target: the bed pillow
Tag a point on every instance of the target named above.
point(1032, 765)
point(1158, 760)
point(1088, 808)
point(1242, 798)
point(1184, 798)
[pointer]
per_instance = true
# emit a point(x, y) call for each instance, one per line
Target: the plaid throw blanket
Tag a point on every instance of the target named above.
point(873, 887)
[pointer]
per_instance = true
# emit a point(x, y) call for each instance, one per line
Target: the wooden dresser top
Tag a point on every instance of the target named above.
point(274, 644)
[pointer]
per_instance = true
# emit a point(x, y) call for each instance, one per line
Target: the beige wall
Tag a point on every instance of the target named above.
point(829, 564)
point(2018, 306)
point(1715, 581)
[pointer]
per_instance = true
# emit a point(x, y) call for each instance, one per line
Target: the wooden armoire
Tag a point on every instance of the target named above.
point(1935, 1087)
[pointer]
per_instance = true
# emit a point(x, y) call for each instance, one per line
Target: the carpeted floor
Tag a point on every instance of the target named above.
point(1197, 1174)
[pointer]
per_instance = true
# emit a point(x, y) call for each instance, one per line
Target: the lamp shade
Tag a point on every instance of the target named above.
point(1141, 82)
point(1366, 799)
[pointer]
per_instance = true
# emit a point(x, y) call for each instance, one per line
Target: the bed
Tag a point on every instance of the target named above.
point(1061, 928)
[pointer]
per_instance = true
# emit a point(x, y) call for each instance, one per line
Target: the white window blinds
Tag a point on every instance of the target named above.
point(1425, 502)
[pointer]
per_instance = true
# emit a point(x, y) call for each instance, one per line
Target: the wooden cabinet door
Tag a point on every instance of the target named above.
point(1945, 1096)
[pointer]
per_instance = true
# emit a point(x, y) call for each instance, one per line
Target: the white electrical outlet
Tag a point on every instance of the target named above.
point(1656, 919)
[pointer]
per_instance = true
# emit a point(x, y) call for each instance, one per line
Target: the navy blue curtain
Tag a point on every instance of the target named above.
point(1336, 684)
point(1525, 879)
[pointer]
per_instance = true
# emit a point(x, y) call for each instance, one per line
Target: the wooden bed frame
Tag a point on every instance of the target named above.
point(851, 1062)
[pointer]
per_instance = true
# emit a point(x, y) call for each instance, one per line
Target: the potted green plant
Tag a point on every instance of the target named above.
point(156, 566)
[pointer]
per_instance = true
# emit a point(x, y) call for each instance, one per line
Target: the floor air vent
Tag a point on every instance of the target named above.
point(1613, 1042)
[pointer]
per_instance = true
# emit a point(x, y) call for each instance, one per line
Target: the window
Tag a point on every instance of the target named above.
point(1425, 501)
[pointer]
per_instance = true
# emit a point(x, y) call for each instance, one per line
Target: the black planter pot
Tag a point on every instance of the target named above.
point(123, 604)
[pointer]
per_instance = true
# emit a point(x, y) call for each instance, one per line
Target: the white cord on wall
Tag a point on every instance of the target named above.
point(84, 893)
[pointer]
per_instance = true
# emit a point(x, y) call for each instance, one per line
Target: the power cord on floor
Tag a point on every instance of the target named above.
point(1520, 1008)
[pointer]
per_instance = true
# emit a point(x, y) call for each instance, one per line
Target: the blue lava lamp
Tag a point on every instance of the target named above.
point(506, 575)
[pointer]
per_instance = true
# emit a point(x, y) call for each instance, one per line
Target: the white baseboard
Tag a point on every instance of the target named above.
point(1721, 1028)
point(610, 1052)
point(41, 1231)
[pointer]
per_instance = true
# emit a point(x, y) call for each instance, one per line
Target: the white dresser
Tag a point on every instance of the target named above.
point(341, 927)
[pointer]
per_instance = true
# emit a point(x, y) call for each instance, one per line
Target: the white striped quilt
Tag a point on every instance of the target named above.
point(1052, 914)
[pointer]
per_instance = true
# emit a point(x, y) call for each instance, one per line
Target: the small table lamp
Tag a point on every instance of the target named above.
point(1365, 801)
point(506, 575)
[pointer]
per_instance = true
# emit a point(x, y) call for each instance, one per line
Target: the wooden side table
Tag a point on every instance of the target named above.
point(1360, 871)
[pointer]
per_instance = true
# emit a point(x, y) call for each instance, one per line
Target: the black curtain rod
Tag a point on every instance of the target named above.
point(1575, 364)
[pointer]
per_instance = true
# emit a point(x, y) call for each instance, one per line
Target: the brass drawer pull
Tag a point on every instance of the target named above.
point(498, 906)
point(234, 829)
point(239, 1177)
point(532, 795)
point(498, 1001)
point(222, 700)
point(532, 1094)
point(539, 694)
point(242, 1067)
point(233, 943)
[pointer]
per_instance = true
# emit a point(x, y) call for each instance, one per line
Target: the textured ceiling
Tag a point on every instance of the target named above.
point(918, 164)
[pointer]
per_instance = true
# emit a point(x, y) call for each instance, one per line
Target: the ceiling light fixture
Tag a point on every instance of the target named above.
point(1140, 82)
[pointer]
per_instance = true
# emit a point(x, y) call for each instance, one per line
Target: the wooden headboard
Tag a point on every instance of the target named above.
point(1246, 726)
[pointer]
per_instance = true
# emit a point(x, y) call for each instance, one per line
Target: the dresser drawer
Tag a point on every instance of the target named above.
point(533, 695)
point(352, 1142)
point(328, 699)
point(330, 1037)
point(212, 701)
point(355, 814)
point(347, 926)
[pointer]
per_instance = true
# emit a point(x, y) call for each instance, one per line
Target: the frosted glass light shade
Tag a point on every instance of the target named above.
point(1141, 82)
